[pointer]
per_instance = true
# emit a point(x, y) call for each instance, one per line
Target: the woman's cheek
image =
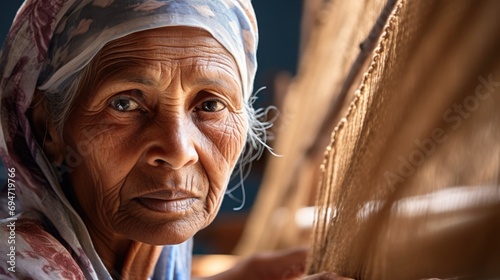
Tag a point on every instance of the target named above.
point(93, 177)
point(231, 136)
point(214, 201)
point(96, 186)
point(227, 137)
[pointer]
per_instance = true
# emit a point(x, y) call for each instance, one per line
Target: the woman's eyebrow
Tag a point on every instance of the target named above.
point(218, 83)
point(118, 82)
point(210, 82)
point(136, 80)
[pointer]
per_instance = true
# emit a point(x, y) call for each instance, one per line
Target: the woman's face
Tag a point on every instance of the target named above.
point(157, 137)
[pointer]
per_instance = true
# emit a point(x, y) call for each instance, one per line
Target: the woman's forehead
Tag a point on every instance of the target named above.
point(175, 40)
point(154, 52)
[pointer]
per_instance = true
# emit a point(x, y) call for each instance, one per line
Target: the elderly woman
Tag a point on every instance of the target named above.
point(122, 121)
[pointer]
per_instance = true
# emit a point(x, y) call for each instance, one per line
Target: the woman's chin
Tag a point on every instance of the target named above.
point(164, 223)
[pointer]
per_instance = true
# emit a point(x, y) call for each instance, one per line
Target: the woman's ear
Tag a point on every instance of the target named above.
point(45, 131)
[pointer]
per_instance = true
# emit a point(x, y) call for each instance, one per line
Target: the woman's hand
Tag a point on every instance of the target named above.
point(282, 265)
point(288, 264)
point(325, 276)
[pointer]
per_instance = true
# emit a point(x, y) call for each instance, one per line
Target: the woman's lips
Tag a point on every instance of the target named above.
point(171, 206)
point(168, 201)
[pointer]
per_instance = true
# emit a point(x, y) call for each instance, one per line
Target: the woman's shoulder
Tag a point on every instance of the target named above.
point(32, 251)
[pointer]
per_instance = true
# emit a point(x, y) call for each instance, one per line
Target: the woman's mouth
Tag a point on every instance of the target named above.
point(168, 201)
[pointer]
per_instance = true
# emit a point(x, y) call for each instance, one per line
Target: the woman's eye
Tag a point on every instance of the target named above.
point(124, 104)
point(211, 106)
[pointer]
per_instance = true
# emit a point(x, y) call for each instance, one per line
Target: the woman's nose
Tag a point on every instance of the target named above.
point(173, 146)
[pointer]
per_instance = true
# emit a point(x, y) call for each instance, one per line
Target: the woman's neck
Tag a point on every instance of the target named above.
point(111, 249)
point(125, 259)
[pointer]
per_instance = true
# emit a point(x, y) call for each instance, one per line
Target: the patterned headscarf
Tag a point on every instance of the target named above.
point(51, 40)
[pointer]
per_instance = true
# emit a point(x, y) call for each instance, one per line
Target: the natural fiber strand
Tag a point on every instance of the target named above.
point(410, 184)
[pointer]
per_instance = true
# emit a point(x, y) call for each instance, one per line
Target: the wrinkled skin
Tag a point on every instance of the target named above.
point(157, 134)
